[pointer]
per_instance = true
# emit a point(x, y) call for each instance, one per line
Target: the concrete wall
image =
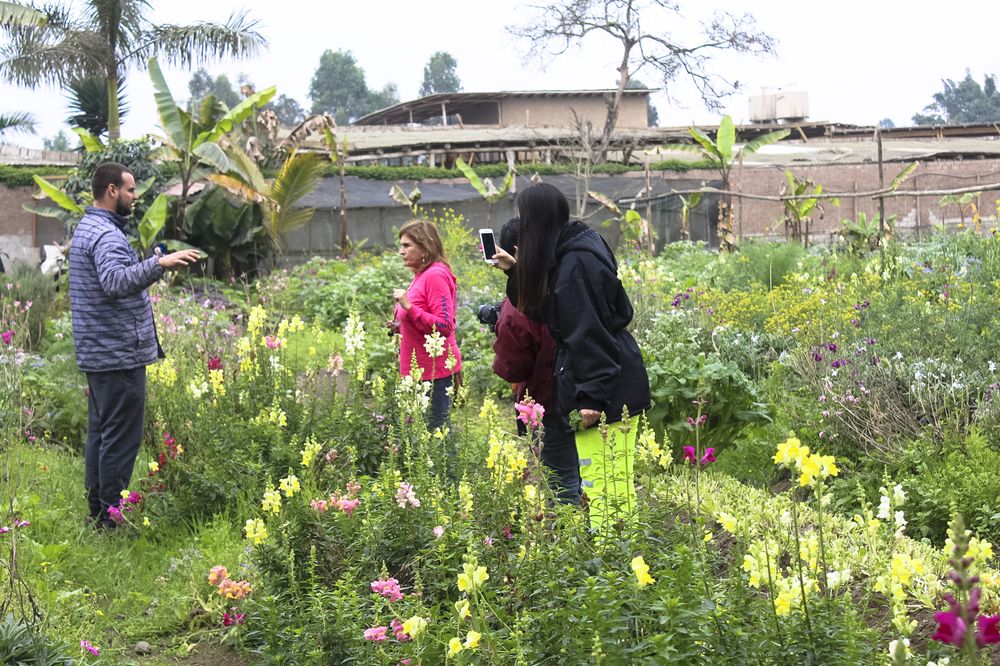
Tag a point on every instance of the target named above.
point(558, 111)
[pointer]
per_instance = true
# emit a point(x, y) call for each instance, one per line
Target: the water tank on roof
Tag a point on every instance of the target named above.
point(792, 105)
point(772, 106)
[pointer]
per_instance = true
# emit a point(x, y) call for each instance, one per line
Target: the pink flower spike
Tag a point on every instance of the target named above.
point(92, 649)
point(691, 422)
point(376, 634)
point(438, 531)
point(22, 523)
point(348, 505)
point(7, 336)
point(217, 575)
point(689, 455)
point(709, 456)
point(4, 529)
point(116, 515)
point(951, 628)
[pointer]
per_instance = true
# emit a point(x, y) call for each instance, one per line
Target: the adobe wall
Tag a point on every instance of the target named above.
point(17, 227)
point(914, 215)
point(558, 111)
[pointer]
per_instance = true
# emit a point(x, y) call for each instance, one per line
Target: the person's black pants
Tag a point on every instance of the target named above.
point(115, 416)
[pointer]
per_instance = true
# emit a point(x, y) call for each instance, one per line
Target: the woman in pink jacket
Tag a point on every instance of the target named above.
point(426, 307)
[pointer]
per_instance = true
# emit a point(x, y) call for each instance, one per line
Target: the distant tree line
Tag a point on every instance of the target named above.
point(961, 102)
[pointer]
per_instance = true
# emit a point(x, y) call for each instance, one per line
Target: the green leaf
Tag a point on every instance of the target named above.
point(297, 178)
point(212, 154)
point(152, 222)
point(90, 142)
point(471, 176)
point(238, 114)
point(632, 216)
point(708, 147)
point(725, 138)
point(58, 196)
point(170, 117)
point(903, 175)
point(765, 140)
point(143, 187)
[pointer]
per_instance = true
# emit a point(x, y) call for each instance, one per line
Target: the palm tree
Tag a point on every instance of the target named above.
point(108, 38)
point(17, 122)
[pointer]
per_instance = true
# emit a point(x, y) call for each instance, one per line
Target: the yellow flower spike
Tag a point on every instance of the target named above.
point(454, 646)
point(472, 640)
point(462, 606)
point(290, 485)
point(641, 570)
point(788, 452)
point(271, 502)
point(414, 626)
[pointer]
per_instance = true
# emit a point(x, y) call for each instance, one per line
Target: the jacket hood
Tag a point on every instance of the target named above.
point(578, 237)
point(442, 269)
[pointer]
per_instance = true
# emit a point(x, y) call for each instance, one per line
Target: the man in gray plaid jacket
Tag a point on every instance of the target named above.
point(114, 333)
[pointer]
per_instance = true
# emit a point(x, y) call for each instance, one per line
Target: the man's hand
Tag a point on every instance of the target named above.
point(179, 259)
point(589, 417)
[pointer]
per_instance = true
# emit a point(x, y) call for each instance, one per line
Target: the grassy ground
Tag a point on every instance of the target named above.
point(117, 589)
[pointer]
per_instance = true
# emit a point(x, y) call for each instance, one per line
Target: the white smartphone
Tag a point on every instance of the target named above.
point(489, 245)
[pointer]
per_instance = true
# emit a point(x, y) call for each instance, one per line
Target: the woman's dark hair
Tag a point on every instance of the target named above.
point(544, 212)
point(509, 233)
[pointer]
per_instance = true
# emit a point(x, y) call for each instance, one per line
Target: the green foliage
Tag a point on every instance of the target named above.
point(34, 291)
point(964, 101)
point(20, 176)
point(27, 646)
point(440, 75)
point(338, 87)
point(764, 263)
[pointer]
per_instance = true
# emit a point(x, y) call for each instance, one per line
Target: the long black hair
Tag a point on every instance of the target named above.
point(544, 212)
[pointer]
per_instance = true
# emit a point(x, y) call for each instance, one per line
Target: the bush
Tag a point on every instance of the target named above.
point(23, 645)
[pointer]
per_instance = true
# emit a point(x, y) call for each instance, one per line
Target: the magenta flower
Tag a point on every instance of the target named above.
point(229, 619)
point(134, 497)
point(388, 588)
point(690, 456)
point(8, 336)
point(989, 630)
point(115, 514)
point(376, 634)
point(951, 628)
point(397, 630)
point(709, 456)
point(215, 363)
point(4, 529)
point(92, 649)
point(348, 505)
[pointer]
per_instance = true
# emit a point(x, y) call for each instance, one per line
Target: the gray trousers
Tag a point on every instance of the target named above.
point(115, 416)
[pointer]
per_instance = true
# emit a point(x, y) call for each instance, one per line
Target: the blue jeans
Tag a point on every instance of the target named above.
point(559, 455)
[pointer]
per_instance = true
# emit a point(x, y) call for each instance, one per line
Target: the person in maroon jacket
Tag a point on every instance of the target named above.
point(524, 354)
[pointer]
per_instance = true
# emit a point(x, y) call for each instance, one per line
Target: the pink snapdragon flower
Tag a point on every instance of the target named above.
point(92, 649)
point(115, 514)
point(709, 456)
point(388, 588)
point(217, 575)
point(229, 619)
point(7, 336)
point(529, 412)
point(405, 495)
point(397, 630)
point(951, 628)
point(376, 634)
point(690, 455)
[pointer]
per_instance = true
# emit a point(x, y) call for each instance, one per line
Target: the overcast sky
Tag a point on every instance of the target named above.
point(858, 61)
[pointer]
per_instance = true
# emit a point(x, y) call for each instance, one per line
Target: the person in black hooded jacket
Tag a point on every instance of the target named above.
point(566, 275)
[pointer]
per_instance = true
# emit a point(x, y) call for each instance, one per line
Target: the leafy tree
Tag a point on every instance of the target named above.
point(886, 123)
point(560, 24)
point(652, 115)
point(202, 85)
point(338, 87)
point(440, 75)
point(59, 142)
point(388, 96)
point(962, 102)
point(108, 37)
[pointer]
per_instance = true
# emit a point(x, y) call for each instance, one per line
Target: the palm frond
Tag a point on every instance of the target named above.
point(297, 178)
point(12, 13)
point(185, 45)
point(17, 122)
point(88, 100)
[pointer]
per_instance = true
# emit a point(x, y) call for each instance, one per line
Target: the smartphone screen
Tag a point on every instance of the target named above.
point(489, 244)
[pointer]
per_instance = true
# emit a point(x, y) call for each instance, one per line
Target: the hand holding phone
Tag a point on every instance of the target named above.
point(489, 245)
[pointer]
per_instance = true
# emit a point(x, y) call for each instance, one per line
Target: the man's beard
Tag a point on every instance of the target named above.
point(123, 208)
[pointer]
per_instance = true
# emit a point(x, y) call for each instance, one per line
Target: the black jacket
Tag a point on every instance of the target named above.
point(598, 364)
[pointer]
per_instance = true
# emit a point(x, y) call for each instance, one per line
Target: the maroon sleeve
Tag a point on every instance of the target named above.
point(516, 345)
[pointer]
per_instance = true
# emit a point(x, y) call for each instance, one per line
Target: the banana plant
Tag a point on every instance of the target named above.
point(688, 203)
point(634, 229)
point(799, 212)
point(411, 200)
point(485, 187)
point(338, 155)
point(198, 144)
point(272, 202)
point(723, 152)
